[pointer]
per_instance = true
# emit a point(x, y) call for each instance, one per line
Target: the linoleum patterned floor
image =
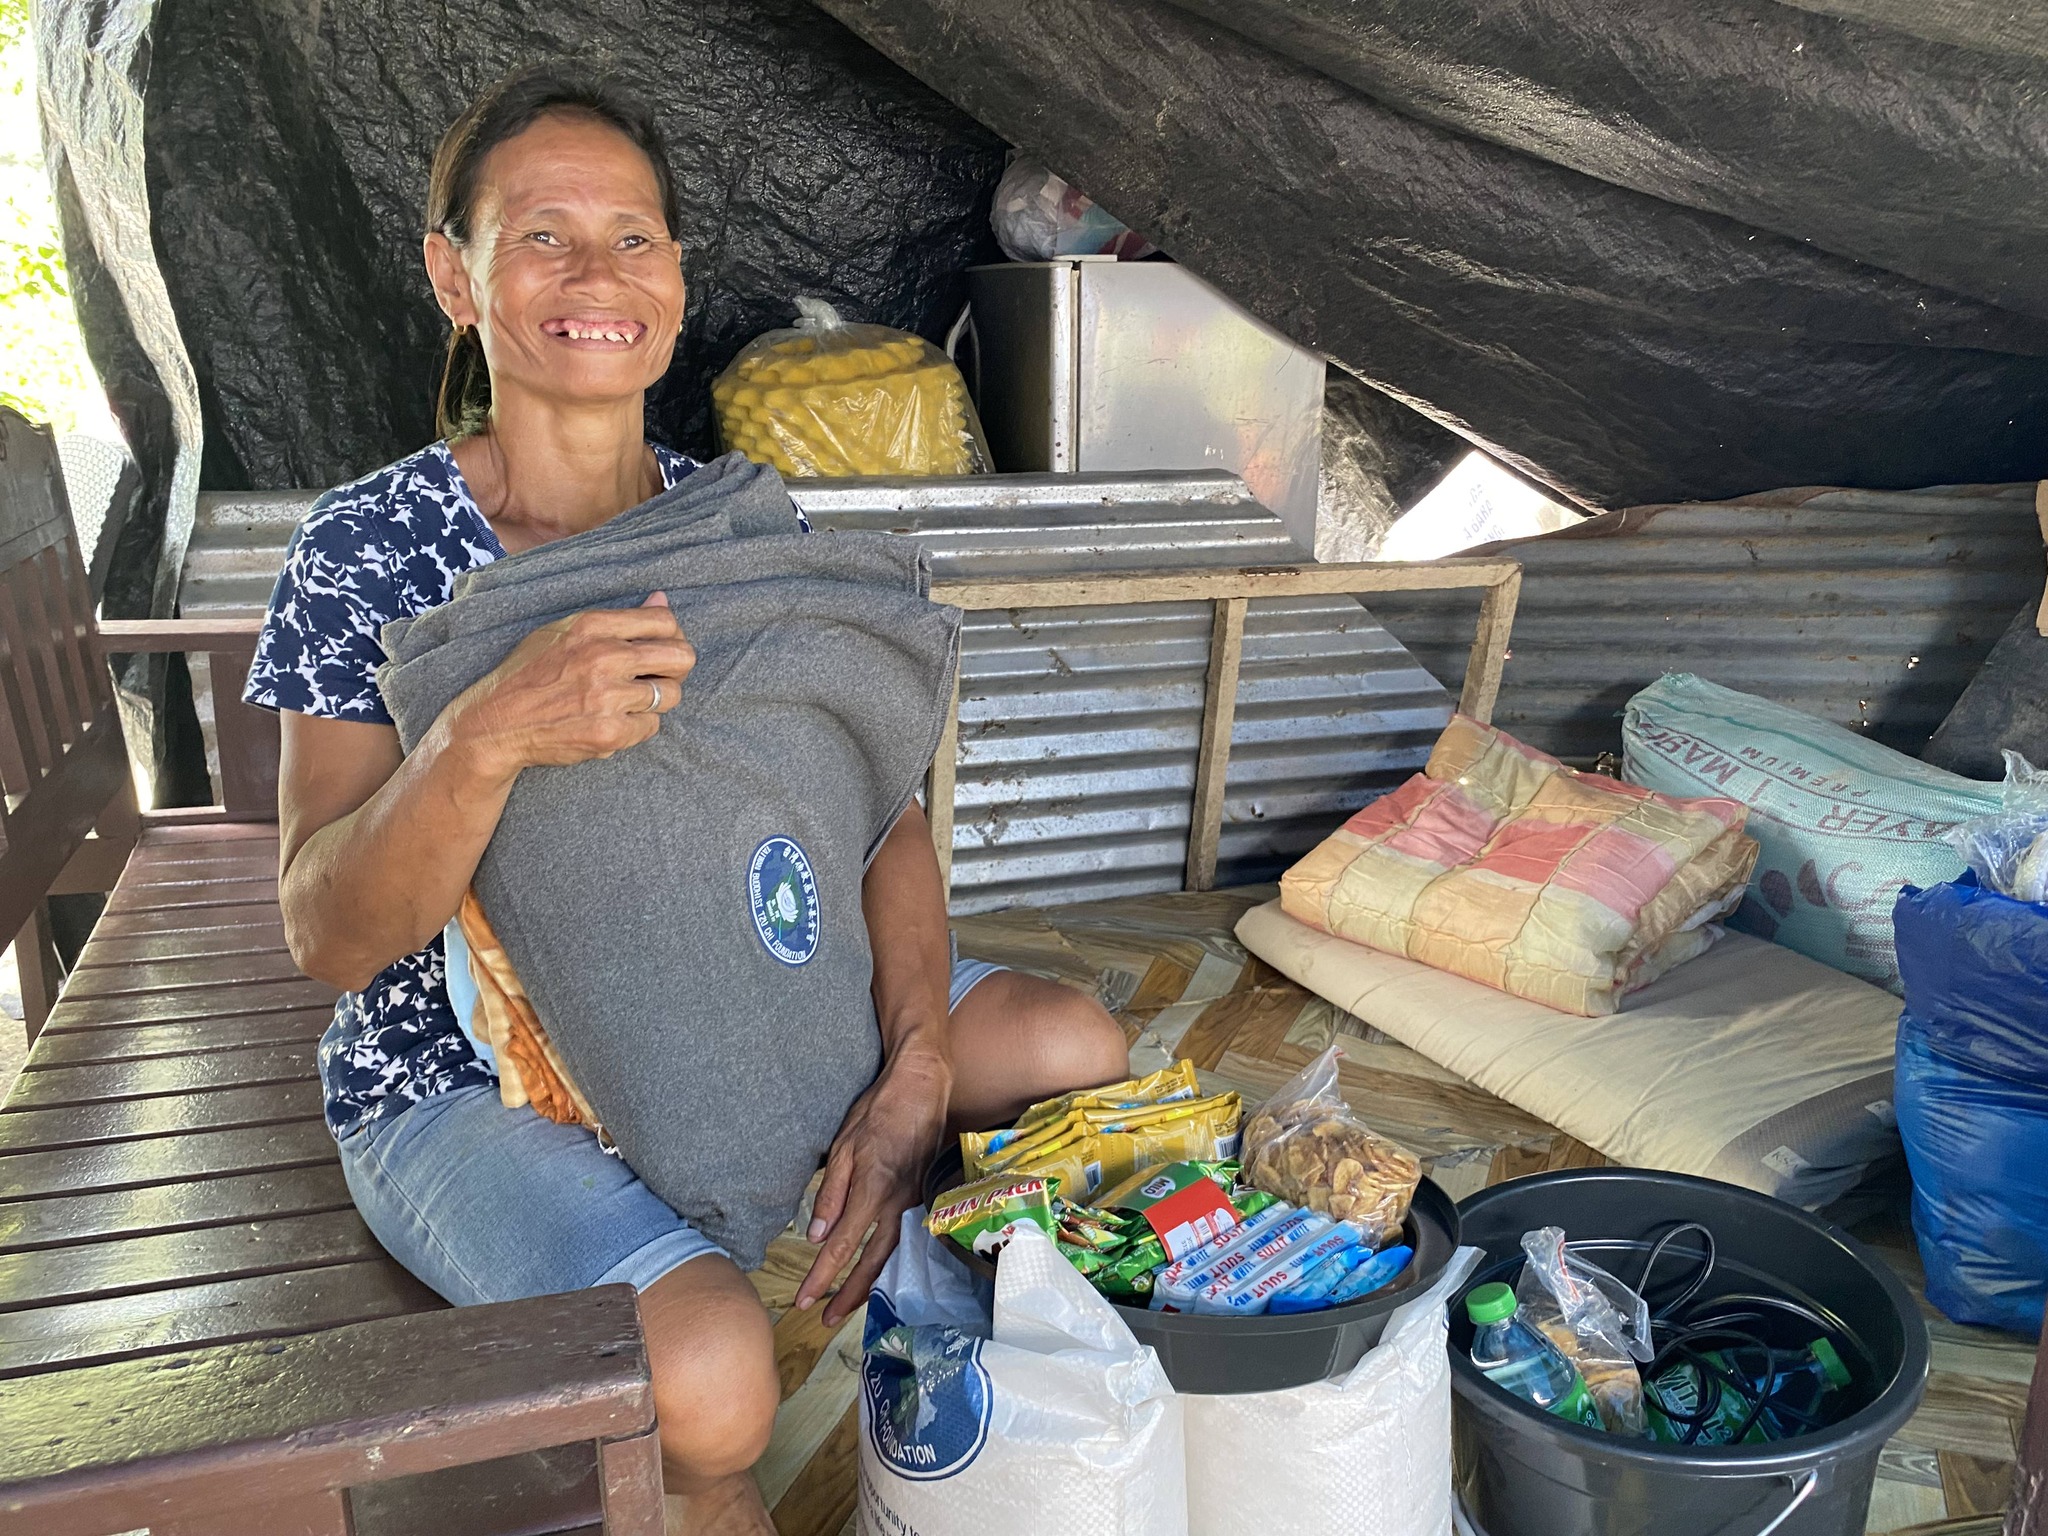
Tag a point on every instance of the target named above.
point(1170, 970)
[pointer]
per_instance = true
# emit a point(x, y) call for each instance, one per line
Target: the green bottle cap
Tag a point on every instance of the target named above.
point(1490, 1303)
point(1831, 1365)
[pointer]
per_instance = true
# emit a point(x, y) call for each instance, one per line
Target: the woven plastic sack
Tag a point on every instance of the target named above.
point(1843, 824)
point(829, 399)
point(1367, 1453)
point(1304, 1145)
point(1039, 1414)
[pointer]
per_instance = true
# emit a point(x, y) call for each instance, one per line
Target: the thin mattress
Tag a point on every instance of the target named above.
point(1750, 1064)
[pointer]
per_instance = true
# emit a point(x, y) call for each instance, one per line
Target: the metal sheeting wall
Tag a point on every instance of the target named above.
point(1869, 608)
point(1079, 726)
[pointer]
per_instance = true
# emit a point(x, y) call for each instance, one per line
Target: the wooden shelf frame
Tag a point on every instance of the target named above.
point(1231, 591)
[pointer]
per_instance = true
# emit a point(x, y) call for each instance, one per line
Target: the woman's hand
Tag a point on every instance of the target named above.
point(874, 1173)
point(580, 688)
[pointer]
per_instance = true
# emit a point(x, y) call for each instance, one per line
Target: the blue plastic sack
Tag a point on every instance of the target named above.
point(1972, 1098)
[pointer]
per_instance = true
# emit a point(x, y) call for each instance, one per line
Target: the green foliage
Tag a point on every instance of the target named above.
point(43, 369)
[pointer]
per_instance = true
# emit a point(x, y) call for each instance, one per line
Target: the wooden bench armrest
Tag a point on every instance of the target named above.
point(129, 637)
point(246, 737)
point(235, 1437)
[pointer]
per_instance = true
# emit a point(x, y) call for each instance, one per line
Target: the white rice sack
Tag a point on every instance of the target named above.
point(1048, 1418)
point(1367, 1453)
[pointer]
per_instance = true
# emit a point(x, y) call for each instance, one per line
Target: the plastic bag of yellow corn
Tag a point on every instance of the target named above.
point(828, 398)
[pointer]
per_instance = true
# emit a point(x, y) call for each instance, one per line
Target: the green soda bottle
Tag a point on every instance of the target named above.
point(1522, 1360)
point(1708, 1400)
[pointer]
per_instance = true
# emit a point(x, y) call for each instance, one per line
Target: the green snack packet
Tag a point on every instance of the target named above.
point(1085, 1227)
point(1138, 1261)
point(1112, 1284)
point(983, 1215)
point(1250, 1202)
point(1086, 1260)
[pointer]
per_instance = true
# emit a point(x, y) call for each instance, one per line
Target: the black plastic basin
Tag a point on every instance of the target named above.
point(1267, 1354)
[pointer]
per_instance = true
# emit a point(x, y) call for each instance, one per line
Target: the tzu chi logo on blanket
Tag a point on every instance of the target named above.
point(783, 895)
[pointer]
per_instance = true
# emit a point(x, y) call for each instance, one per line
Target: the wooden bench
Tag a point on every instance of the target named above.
point(197, 1331)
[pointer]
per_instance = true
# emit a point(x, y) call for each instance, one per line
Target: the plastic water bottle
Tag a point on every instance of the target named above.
point(1517, 1357)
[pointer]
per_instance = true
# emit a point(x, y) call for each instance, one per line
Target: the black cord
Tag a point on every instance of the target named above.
point(1684, 1331)
point(1692, 1288)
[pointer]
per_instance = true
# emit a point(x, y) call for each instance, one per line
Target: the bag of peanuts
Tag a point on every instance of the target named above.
point(829, 398)
point(1304, 1145)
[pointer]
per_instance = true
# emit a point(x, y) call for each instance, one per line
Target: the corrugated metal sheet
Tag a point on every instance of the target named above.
point(1869, 608)
point(1079, 727)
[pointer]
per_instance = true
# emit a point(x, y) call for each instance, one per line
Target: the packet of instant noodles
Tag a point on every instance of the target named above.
point(984, 1215)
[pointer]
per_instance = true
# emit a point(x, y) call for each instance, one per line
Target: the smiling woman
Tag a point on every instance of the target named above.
point(551, 247)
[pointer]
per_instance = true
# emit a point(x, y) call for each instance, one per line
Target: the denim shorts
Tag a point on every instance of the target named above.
point(484, 1203)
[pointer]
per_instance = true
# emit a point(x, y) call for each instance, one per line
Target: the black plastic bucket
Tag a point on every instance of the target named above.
point(1214, 1355)
point(1523, 1472)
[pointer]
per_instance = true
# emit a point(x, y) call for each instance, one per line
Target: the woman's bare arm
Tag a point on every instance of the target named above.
point(874, 1171)
point(903, 900)
point(378, 846)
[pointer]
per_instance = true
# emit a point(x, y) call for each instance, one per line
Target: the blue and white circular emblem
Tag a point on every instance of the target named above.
point(928, 1397)
point(783, 896)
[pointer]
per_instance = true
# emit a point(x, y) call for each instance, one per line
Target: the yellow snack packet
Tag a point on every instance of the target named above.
point(1107, 1119)
point(1076, 1163)
point(1203, 1131)
point(986, 1151)
point(1161, 1087)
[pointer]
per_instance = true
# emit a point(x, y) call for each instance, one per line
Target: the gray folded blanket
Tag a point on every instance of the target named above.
point(686, 916)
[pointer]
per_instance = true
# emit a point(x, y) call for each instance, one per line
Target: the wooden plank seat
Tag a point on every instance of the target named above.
point(197, 1331)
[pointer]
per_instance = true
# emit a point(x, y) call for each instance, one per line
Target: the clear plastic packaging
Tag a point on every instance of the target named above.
point(1038, 217)
point(1595, 1321)
point(829, 399)
point(1306, 1146)
point(2009, 851)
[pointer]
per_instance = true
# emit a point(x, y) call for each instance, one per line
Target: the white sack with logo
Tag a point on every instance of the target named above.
point(1367, 1453)
point(1046, 1417)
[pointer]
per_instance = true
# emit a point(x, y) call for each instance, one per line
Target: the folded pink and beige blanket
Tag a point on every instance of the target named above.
point(1500, 864)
